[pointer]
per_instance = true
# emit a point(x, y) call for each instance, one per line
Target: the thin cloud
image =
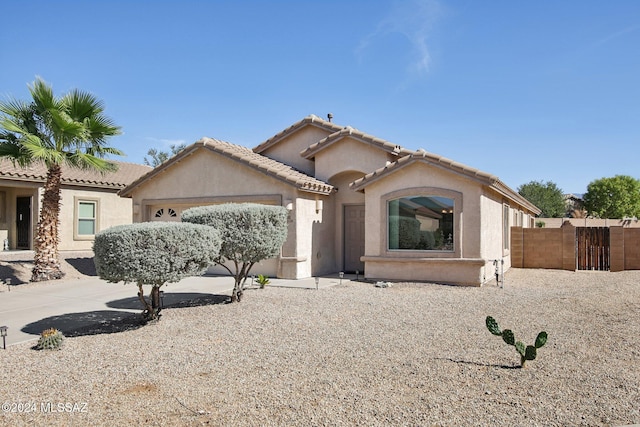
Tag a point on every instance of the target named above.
point(415, 20)
point(617, 34)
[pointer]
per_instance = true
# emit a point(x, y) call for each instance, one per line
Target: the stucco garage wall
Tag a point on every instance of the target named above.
point(207, 178)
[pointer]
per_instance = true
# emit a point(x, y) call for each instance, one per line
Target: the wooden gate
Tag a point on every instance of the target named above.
point(592, 248)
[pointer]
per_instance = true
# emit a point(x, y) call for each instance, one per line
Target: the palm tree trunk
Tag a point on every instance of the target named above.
point(46, 265)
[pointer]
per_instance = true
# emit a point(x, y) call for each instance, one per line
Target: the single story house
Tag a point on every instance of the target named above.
point(356, 203)
point(89, 203)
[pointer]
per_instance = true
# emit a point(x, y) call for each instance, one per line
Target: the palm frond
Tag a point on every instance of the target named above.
point(43, 96)
point(86, 161)
point(101, 126)
point(16, 153)
point(13, 107)
point(67, 129)
point(81, 104)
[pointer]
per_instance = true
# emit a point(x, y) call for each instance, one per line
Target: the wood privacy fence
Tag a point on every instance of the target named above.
point(592, 248)
point(576, 248)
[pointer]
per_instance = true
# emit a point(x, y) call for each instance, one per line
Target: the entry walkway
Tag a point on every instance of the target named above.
point(76, 303)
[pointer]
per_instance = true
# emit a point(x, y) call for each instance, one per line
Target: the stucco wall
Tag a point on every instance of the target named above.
point(466, 265)
point(112, 210)
point(288, 149)
point(349, 154)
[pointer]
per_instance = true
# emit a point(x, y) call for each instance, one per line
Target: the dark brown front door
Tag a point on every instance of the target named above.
point(353, 238)
point(23, 221)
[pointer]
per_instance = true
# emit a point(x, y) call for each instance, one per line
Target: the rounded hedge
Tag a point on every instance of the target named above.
point(155, 252)
point(250, 232)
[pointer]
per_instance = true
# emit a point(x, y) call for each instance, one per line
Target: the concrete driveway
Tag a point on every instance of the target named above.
point(76, 305)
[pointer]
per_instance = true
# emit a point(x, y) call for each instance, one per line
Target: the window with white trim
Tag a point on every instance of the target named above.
point(86, 218)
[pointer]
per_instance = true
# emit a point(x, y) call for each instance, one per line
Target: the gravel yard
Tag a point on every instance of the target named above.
point(412, 354)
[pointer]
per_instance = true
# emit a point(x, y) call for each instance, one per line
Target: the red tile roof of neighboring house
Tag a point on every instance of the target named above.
point(247, 157)
point(37, 173)
point(448, 164)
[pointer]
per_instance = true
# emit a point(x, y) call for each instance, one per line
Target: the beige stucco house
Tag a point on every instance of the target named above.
point(89, 203)
point(356, 203)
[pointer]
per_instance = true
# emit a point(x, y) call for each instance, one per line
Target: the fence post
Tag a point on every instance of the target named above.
point(517, 247)
point(568, 246)
point(616, 248)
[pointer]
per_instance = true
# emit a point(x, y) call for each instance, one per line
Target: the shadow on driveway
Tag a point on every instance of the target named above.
point(87, 323)
point(113, 321)
point(83, 266)
point(172, 300)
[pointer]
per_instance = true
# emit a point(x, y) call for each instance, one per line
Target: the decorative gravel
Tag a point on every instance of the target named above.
point(411, 354)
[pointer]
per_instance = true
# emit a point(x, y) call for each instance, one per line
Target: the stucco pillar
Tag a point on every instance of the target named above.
point(616, 248)
point(568, 246)
point(517, 247)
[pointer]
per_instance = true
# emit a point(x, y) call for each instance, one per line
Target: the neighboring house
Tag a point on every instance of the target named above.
point(356, 203)
point(574, 206)
point(89, 203)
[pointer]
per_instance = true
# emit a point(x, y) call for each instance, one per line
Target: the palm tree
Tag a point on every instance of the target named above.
point(69, 130)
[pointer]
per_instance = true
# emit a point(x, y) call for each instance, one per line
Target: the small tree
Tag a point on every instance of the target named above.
point(546, 196)
point(154, 253)
point(250, 233)
point(157, 157)
point(616, 197)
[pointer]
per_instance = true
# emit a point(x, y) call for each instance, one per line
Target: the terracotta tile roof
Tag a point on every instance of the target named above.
point(350, 132)
point(311, 119)
point(448, 164)
point(37, 172)
point(248, 158)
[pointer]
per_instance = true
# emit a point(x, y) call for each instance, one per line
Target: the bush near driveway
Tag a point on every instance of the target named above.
point(154, 253)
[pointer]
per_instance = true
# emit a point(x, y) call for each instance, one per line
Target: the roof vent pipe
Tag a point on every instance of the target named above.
point(329, 116)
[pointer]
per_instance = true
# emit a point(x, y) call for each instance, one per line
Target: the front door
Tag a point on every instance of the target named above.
point(353, 238)
point(23, 222)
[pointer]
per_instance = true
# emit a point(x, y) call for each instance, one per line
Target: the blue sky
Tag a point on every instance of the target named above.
point(527, 91)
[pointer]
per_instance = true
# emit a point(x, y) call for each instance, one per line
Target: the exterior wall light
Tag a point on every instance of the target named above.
point(319, 206)
point(288, 204)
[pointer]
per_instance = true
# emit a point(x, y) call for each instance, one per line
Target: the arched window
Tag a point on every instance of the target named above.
point(421, 223)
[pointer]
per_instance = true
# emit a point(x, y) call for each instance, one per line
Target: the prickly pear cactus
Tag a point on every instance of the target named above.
point(50, 339)
point(492, 325)
point(541, 339)
point(508, 337)
point(526, 352)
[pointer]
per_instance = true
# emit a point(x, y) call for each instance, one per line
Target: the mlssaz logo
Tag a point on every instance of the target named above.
point(63, 407)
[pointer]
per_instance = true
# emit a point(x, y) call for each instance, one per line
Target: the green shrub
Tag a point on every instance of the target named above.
point(250, 233)
point(50, 339)
point(154, 253)
point(263, 280)
point(427, 240)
